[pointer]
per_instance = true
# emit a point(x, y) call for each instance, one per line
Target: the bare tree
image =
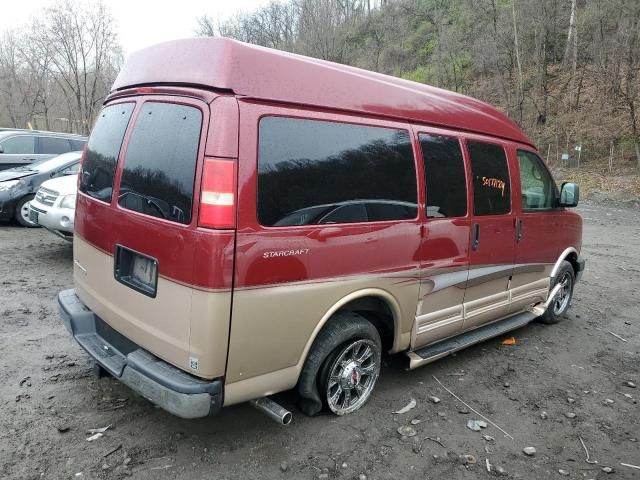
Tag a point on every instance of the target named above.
point(83, 47)
point(205, 26)
point(627, 81)
point(516, 48)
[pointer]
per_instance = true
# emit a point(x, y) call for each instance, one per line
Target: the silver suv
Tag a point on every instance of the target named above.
point(23, 147)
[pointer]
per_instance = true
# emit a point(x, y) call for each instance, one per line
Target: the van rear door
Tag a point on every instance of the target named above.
point(144, 264)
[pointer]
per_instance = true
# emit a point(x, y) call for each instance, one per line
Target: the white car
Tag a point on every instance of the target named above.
point(54, 205)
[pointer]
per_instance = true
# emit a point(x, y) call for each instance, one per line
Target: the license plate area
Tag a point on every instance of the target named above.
point(136, 271)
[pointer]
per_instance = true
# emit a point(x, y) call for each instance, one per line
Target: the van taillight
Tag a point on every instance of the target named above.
point(217, 198)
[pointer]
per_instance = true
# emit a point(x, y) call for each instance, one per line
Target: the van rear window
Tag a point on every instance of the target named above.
point(160, 165)
point(319, 172)
point(96, 178)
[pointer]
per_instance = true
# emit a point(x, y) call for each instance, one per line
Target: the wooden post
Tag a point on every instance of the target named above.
point(611, 151)
point(579, 154)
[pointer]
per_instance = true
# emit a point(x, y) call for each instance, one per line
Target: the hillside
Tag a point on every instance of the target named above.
point(567, 71)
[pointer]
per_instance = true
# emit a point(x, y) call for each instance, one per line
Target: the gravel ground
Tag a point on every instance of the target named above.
point(557, 385)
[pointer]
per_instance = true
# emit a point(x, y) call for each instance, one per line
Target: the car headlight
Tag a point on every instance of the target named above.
point(69, 201)
point(8, 185)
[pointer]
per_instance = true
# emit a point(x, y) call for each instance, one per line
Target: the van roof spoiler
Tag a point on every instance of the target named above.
point(268, 74)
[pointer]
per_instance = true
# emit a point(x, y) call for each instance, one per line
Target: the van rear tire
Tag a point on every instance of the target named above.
point(346, 356)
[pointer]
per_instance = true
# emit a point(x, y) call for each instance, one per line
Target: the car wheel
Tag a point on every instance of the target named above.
point(22, 212)
point(342, 367)
point(562, 301)
point(347, 383)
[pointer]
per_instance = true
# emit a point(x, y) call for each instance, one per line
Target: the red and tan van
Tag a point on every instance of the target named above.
point(251, 221)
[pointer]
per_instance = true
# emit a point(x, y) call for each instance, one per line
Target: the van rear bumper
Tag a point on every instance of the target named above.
point(161, 383)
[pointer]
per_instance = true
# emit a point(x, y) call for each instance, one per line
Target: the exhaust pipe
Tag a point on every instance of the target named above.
point(273, 410)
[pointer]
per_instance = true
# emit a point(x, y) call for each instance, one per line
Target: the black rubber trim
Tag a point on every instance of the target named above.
point(97, 337)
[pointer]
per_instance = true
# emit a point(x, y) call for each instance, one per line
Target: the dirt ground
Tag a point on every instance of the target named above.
point(49, 397)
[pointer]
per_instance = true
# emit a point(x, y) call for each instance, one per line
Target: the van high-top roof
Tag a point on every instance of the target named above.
point(267, 74)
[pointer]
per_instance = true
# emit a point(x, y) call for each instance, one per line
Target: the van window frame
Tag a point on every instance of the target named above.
point(556, 206)
point(335, 117)
point(419, 130)
point(138, 101)
point(195, 163)
point(125, 139)
point(472, 197)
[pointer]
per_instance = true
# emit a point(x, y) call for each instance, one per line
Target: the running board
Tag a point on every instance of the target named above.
point(441, 349)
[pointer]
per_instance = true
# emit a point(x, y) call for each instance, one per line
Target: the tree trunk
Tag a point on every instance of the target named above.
point(634, 131)
point(518, 64)
point(572, 38)
point(571, 50)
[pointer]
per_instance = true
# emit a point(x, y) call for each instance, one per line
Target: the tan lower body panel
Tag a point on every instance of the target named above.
point(489, 295)
point(275, 309)
point(438, 324)
point(529, 294)
point(273, 327)
point(179, 323)
point(483, 310)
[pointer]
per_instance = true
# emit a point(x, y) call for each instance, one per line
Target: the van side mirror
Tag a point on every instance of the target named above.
point(569, 195)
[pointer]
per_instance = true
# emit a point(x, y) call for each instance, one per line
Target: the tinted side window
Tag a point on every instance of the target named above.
point(445, 176)
point(96, 176)
point(350, 213)
point(491, 189)
point(538, 188)
point(381, 211)
point(77, 145)
point(310, 164)
point(160, 167)
point(22, 144)
point(54, 146)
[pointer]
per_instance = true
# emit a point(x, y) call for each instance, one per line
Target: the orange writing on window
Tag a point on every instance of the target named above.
point(494, 183)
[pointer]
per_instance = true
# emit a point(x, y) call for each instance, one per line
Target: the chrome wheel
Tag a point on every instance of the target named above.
point(563, 297)
point(352, 376)
point(24, 213)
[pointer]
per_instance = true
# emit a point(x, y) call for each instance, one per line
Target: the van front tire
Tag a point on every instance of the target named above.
point(342, 367)
point(562, 302)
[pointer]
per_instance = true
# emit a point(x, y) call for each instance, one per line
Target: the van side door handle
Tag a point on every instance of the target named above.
point(476, 236)
point(519, 229)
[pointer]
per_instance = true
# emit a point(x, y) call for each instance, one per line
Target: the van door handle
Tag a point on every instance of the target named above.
point(519, 229)
point(476, 236)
